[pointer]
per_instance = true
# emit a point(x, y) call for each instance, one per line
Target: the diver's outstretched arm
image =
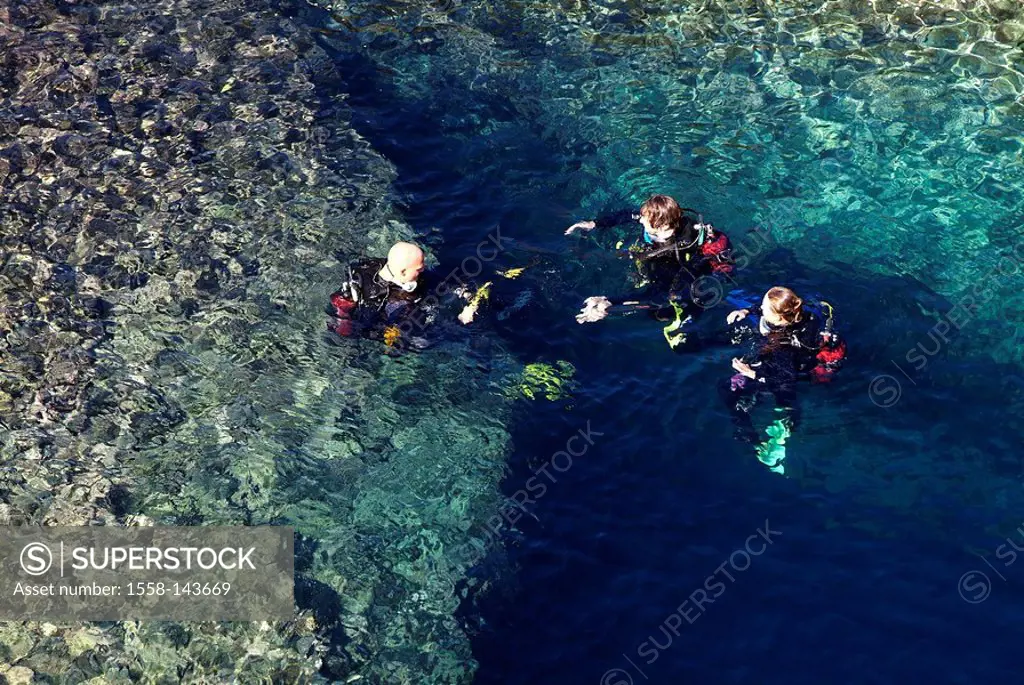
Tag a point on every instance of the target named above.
point(617, 218)
point(600, 306)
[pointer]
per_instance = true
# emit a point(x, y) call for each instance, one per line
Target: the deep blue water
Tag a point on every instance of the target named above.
point(877, 516)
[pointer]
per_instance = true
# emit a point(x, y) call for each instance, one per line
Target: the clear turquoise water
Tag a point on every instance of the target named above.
point(879, 145)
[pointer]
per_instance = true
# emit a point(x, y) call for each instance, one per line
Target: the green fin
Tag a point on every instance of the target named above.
point(772, 451)
point(674, 335)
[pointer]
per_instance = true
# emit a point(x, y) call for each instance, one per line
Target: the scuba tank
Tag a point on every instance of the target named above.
point(344, 302)
point(347, 296)
point(833, 348)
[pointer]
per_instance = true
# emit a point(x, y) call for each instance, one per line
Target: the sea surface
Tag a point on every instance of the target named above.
point(878, 146)
point(166, 358)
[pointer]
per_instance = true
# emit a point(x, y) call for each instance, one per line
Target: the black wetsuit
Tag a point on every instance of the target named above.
point(779, 356)
point(666, 272)
point(674, 280)
point(368, 306)
point(783, 351)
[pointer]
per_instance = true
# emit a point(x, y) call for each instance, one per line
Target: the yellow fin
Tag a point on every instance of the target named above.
point(482, 294)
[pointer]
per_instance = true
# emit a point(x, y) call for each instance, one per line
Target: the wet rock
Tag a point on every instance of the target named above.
point(71, 146)
point(1010, 32)
point(268, 109)
point(131, 302)
point(62, 278)
point(19, 675)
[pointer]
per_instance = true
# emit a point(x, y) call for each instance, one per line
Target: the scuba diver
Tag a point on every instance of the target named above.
point(675, 250)
point(392, 300)
point(790, 340)
point(386, 299)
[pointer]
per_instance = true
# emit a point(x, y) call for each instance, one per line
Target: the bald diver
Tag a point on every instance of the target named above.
point(394, 300)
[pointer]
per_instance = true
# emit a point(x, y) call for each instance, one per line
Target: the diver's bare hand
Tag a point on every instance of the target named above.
point(467, 314)
point(594, 309)
point(743, 368)
point(737, 315)
point(580, 225)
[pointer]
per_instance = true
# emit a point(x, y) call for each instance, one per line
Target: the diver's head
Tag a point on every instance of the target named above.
point(660, 217)
point(405, 264)
point(781, 307)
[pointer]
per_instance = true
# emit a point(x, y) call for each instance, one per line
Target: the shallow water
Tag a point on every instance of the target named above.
point(180, 183)
point(877, 145)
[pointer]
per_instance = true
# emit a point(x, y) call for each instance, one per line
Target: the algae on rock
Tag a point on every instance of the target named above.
point(182, 177)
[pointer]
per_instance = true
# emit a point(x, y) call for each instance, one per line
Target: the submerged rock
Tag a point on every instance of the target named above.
point(175, 181)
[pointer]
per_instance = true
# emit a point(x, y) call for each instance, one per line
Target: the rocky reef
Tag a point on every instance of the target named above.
point(179, 181)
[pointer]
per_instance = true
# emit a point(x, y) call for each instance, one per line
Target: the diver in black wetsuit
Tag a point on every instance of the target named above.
point(674, 251)
point(386, 299)
point(790, 341)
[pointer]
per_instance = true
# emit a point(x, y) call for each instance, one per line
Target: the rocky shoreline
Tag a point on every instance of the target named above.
point(178, 181)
